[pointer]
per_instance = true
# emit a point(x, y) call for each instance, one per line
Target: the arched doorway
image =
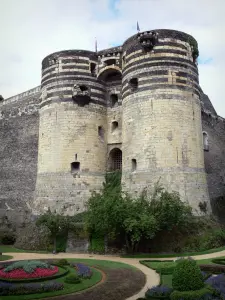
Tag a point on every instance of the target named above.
point(115, 160)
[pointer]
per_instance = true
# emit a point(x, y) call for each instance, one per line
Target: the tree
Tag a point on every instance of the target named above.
point(111, 212)
point(139, 221)
point(56, 224)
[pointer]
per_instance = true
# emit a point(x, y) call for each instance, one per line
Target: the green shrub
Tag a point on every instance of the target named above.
point(192, 295)
point(73, 279)
point(166, 270)
point(61, 262)
point(187, 276)
point(8, 239)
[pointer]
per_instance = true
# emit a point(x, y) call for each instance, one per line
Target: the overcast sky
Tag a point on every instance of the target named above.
point(32, 29)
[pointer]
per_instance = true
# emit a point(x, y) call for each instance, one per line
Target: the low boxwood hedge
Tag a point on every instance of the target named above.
point(214, 269)
point(219, 261)
point(192, 295)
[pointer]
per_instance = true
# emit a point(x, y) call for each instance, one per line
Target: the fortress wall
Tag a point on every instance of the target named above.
point(214, 158)
point(18, 150)
point(162, 127)
point(71, 131)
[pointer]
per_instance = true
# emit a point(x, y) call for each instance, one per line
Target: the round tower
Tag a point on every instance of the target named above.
point(72, 144)
point(162, 131)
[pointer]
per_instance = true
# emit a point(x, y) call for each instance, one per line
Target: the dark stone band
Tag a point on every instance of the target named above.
point(56, 86)
point(69, 99)
point(151, 62)
point(69, 93)
point(163, 72)
point(156, 51)
point(96, 83)
point(164, 86)
point(60, 54)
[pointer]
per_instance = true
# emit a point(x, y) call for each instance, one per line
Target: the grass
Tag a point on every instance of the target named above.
point(5, 257)
point(174, 254)
point(103, 263)
point(11, 249)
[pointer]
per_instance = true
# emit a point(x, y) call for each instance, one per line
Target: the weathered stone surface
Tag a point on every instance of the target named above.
point(54, 151)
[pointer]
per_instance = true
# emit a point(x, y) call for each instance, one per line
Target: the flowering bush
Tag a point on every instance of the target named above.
point(82, 270)
point(158, 291)
point(29, 288)
point(21, 274)
point(218, 284)
point(28, 266)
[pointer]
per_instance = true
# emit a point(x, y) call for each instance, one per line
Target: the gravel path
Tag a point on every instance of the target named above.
point(152, 278)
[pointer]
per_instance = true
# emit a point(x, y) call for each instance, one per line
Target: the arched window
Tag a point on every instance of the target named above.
point(205, 141)
point(115, 159)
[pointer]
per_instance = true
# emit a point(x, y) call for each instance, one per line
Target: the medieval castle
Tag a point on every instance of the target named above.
point(137, 107)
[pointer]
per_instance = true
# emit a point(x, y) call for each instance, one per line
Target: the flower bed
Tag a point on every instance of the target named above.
point(21, 274)
point(82, 270)
point(7, 288)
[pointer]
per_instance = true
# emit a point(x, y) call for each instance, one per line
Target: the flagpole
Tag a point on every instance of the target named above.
point(96, 49)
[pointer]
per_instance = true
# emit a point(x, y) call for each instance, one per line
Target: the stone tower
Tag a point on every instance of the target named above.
point(162, 131)
point(72, 144)
point(135, 107)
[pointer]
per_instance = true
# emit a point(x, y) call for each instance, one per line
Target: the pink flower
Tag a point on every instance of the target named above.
point(21, 274)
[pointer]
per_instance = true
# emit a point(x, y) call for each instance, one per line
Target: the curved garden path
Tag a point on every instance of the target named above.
point(152, 278)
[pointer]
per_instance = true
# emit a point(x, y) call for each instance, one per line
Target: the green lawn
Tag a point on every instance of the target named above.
point(150, 255)
point(7, 249)
point(5, 257)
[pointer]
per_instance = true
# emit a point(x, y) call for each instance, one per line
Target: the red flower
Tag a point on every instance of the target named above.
point(21, 274)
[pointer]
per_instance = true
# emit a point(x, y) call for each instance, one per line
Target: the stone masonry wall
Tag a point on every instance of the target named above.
point(214, 127)
point(18, 153)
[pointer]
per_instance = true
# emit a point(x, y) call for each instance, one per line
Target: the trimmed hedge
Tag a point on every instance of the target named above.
point(193, 295)
point(72, 279)
point(215, 269)
point(7, 289)
point(219, 261)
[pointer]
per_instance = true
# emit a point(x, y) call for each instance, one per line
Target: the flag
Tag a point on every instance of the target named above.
point(96, 45)
point(138, 28)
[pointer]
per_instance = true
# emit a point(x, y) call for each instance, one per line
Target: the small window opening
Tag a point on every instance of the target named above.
point(92, 67)
point(101, 132)
point(133, 83)
point(205, 141)
point(115, 125)
point(76, 156)
point(134, 165)
point(83, 88)
point(124, 59)
point(75, 166)
point(114, 99)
